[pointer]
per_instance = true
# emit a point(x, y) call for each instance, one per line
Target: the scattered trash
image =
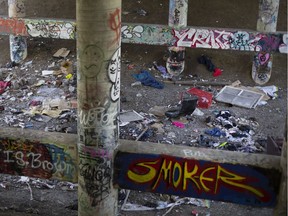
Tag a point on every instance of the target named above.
point(40, 83)
point(138, 83)
point(194, 212)
point(271, 91)
point(62, 53)
point(148, 80)
point(187, 106)
point(24, 179)
point(204, 98)
point(69, 76)
point(158, 110)
point(163, 71)
point(66, 67)
point(41, 118)
point(215, 132)
point(130, 66)
point(129, 116)
point(158, 127)
point(234, 134)
point(45, 91)
point(141, 12)
point(47, 72)
point(4, 85)
point(209, 65)
point(198, 112)
point(239, 97)
point(160, 205)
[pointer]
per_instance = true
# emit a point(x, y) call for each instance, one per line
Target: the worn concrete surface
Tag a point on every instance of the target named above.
point(236, 65)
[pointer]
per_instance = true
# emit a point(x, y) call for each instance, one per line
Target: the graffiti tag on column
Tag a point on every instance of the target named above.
point(93, 57)
point(176, 16)
point(98, 124)
point(268, 12)
point(114, 75)
point(97, 176)
point(115, 24)
point(95, 117)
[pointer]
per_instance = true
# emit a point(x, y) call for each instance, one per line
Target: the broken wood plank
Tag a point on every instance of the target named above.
point(195, 82)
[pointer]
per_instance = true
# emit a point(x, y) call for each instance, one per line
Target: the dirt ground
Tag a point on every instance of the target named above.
point(59, 198)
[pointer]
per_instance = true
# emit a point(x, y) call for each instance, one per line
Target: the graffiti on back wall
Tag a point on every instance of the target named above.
point(23, 157)
point(202, 179)
point(50, 29)
point(222, 39)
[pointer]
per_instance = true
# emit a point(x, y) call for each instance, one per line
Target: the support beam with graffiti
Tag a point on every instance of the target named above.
point(151, 34)
point(38, 154)
point(250, 179)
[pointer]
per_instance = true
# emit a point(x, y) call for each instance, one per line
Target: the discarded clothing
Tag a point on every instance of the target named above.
point(205, 60)
point(238, 135)
point(147, 79)
point(3, 86)
point(215, 132)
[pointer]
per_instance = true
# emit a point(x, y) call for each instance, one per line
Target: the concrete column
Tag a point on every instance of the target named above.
point(98, 92)
point(178, 10)
point(18, 44)
point(267, 22)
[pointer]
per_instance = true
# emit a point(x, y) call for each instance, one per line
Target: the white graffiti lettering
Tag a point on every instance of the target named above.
point(96, 117)
point(34, 161)
point(114, 75)
point(130, 32)
point(203, 38)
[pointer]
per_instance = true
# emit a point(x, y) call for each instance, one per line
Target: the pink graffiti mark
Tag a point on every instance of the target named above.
point(268, 43)
point(263, 58)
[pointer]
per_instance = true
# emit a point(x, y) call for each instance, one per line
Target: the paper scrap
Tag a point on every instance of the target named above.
point(61, 53)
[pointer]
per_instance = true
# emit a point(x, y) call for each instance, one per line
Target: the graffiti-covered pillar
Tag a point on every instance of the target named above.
point(98, 91)
point(18, 44)
point(267, 22)
point(178, 10)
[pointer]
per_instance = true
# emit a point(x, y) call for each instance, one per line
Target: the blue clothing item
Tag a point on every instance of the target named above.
point(215, 132)
point(147, 79)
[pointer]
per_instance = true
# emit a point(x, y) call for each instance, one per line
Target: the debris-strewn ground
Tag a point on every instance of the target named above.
point(48, 103)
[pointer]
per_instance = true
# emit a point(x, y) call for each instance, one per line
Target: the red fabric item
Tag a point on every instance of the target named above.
point(217, 72)
point(178, 124)
point(204, 98)
point(3, 86)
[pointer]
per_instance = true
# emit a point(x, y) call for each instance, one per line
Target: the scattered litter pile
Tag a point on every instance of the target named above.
point(47, 101)
point(232, 133)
